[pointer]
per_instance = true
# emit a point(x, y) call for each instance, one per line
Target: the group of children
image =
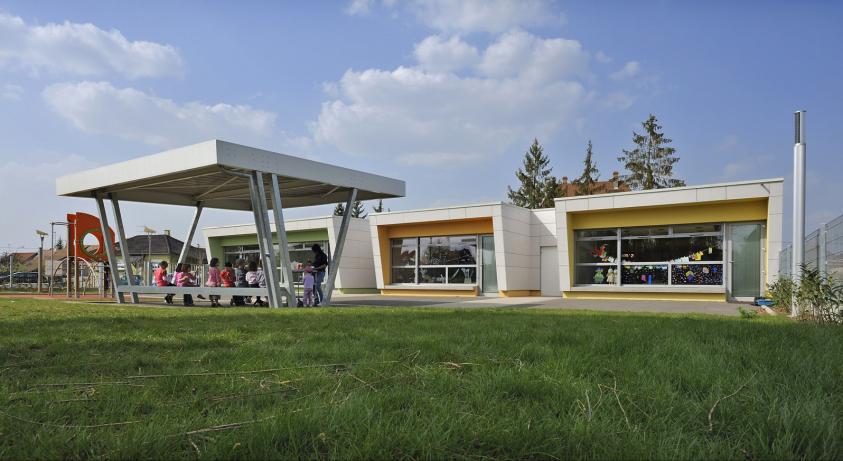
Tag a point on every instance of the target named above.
point(244, 275)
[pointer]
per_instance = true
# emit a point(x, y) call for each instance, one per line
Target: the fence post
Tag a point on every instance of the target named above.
point(822, 257)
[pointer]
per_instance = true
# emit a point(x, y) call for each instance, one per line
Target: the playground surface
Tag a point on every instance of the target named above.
point(86, 380)
point(531, 302)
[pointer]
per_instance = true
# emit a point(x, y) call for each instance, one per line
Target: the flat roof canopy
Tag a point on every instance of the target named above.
point(206, 172)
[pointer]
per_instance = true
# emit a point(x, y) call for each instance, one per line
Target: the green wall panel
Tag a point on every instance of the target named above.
point(217, 243)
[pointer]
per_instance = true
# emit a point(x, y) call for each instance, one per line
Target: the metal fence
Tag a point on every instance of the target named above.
point(823, 251)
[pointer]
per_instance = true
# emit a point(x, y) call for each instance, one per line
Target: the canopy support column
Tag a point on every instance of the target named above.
point(109, 249)
point(334, 265)
point(270, 268)
point(283, 247)
point(188, 240)
point(124, 247)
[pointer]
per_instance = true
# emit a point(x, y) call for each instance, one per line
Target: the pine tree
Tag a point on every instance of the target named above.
point(379, 207)
point(59, 244)
point(357, 210)
point(650, 164)
point(590, 174)
point(538, 187)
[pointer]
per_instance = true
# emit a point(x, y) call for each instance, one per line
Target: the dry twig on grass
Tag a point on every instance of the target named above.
point(68, 426)
point(251, 372)
point(717, 402)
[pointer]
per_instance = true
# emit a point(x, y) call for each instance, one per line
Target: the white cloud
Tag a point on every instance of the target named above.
point(459, 104)
point(484, 15)
point(37, 180)
point(518, 53)
point(11, 91)
point(629, 70)
point(436, 54)
point(602, 57)
point(100, 108)
point(82, 49)
point(418, 117)
point(359, 7)
point(618, 100)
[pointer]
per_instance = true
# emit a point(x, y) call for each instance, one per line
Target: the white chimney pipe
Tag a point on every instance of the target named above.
point(799, 151)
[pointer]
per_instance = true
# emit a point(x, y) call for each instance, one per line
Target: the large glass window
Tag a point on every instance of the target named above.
point(438, 259)
point(245, 252)
point(682, 254)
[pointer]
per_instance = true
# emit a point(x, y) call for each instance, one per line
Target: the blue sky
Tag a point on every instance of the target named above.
point(444, 94)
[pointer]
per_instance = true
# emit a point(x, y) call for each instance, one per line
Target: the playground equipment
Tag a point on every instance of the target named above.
point(79, 226)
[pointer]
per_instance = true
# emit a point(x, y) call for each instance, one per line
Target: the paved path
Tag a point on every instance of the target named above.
point(533, 302)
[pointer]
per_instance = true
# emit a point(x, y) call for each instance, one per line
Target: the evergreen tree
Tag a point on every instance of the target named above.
point(650, 164)
point(59, 244)
point(538, 187)
point(379, 207)
point(357, 210)
point(590, 174)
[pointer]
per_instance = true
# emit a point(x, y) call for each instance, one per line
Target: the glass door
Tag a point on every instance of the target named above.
point(489, 271)
point(746, 240)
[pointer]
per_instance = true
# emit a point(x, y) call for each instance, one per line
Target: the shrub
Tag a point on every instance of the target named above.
point(818, 297)
point(748, 314)
point(781, 291)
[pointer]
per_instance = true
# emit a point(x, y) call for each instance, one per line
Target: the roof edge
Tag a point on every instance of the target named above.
point(655, 191)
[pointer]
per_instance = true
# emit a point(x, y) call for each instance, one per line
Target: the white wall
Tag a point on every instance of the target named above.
point(357, 269)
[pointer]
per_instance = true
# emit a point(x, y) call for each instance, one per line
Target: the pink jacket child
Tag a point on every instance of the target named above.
point(214, 280)
point(308, 282)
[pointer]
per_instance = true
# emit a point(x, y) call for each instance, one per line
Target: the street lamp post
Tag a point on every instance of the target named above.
point(798, 253)
point(53, 225)
point(148, 231)
point(41, 234)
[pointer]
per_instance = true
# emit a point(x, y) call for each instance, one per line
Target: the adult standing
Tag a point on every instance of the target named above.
point(320, 265)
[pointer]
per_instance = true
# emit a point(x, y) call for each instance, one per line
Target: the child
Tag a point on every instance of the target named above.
point(214, 280)
point(183, 279)
point(255, 277)
point(240, 281)
point(227, 276)
point(160, 277)
point(308, 282)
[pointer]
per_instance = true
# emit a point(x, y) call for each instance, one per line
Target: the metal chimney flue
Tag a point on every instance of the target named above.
point(799, 152)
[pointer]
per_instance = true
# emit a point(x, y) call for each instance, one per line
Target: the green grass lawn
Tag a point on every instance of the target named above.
point(101, 381)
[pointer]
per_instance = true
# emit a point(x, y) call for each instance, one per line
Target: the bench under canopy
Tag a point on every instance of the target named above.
point(224, 175)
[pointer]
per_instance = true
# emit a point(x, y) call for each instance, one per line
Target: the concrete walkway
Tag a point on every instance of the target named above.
point(533, 302)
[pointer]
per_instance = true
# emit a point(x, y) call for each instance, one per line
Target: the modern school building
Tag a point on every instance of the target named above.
point(707, 242)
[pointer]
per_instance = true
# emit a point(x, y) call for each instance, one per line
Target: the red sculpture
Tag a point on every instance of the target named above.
point(81, 225)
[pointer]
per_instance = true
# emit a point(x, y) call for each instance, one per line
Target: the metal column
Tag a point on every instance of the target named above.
point(124, 247)
point(284, 250)
point(189, 239)
point(334, 266)
point(270, 268)
point(109, 250)
point(798, 202)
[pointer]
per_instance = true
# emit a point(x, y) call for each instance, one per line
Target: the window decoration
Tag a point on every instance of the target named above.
point(682, 255)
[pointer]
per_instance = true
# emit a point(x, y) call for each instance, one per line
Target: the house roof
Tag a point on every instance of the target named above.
point(161, 244)
point(613, 185)
point(207, 172)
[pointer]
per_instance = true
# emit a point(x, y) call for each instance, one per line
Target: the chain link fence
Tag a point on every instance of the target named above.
point(823, 251)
